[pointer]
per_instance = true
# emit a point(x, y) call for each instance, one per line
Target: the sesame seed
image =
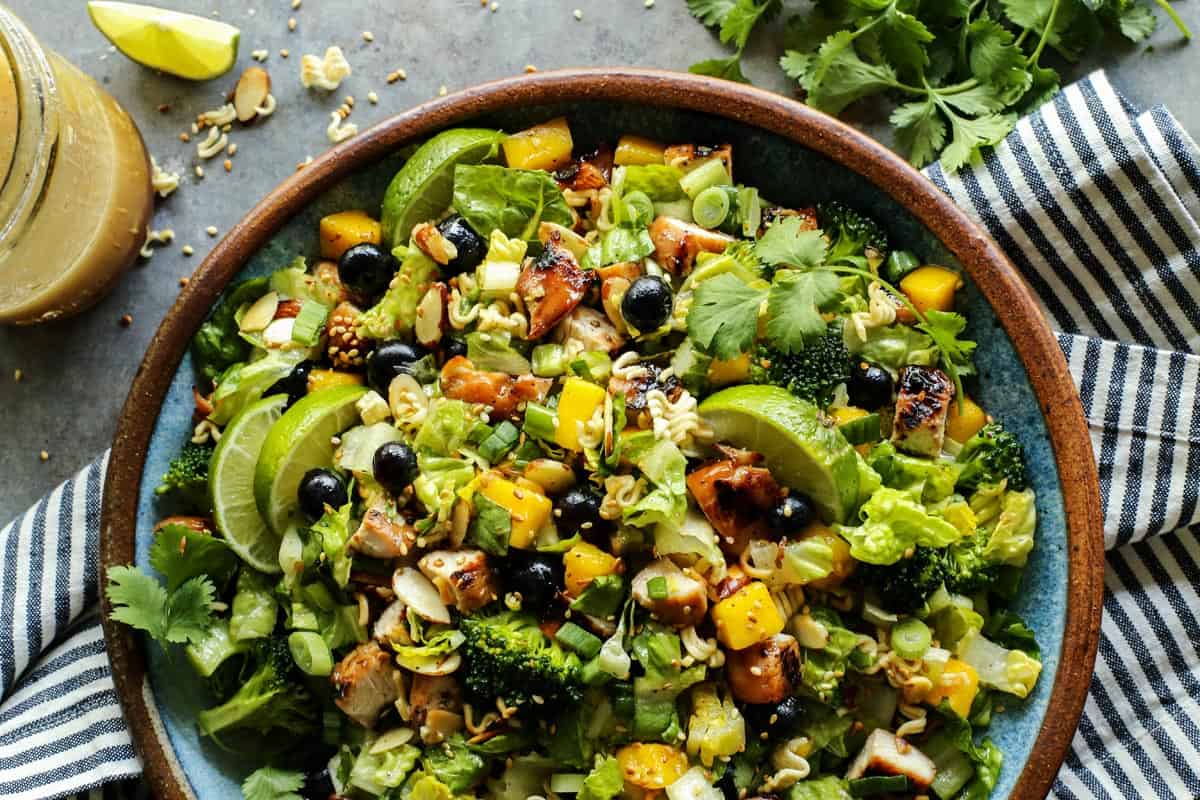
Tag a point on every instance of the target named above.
point(284, 53)
point(211, 230)
point(44, 456)
point(530, 68)
point(649, 3)
point(368, 36)
point(495, 7)
point(372, 98)
point(295, 4)
point(577, 13)
point(126, 320)
point(183, 137)
point(187, 250)
point(184, 281)
point(291, 23)
point(199, 171)
point(18, 375)
point(164, 108)
point(232, 149)
point(350, 100)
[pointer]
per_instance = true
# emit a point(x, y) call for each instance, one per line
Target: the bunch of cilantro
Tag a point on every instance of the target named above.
point(960, 71)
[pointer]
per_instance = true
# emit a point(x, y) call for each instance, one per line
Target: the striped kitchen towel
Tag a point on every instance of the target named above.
point(1097, 204)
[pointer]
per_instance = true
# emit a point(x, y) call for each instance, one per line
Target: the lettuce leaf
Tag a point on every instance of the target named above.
point(217, 346)
point(396, 311)
point(604, 782)
point(1011, 539)
point(514, 201)
point(664, 465)
point(892, 523)
point(244, 384)
point(660, 182)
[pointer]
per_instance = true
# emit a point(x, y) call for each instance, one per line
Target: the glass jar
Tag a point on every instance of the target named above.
point(75, 193)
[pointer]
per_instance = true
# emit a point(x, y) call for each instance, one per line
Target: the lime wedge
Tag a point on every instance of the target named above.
point(423, 187)
point(299, 441)
point(231, 484)
point(800, 450)
point(186, 45)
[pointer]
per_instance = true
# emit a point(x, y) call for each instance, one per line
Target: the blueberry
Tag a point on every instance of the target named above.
point(453, 346)
point(647, 303)
point(294, 384)
point(318, 785)
point(577, 510)
point(389, 359)
point(395, 466)
point(537, 577)
point(870, 386)
point(793, 513)
point(470, 245)
point(320, 488)
point(776, 719)
point(367, 269)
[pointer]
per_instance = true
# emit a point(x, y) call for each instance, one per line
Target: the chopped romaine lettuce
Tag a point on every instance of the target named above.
point(514, 201)
point(892, 524)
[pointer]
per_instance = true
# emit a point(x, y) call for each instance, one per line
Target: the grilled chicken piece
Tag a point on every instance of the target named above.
point(635, 389)
point(677, 243)
point(551, 286)
point(765, 672)
point(591, 329)
point(590, 171)
point(381, 536)
point(689, 156)
point(462, 577)
point(808, 217)
point(629, 270)
point(392, 625)
point(685, 602)
point(886, 753)
point(922, 404)
point(433, 693)
point(505, 394)
point(364, 683)
point(734, 496)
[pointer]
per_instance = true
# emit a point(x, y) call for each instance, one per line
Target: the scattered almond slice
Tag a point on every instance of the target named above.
point(251, 93)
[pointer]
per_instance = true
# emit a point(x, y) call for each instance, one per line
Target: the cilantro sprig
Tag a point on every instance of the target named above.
point(959, 72)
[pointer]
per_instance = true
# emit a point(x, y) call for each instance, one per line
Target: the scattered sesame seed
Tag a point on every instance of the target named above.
point(397, 75)
point(18, 375)
point(350, 100)
point(295, 4)
point(372, 98)
point(495, 7)
point(307, 160)
point(284, 53)
point(184, 281)
point(183, 137)
point(368, 36)
point(483, 3)
point(126, 320)
point(530, 68)
point(164, 108)
point(187, 250)
point(442, 90)
point(44, 456)
point(232, 149)
point(211, 230)
point(649, 4)
point(577, 13)
point(291, 23)
point(199, 171)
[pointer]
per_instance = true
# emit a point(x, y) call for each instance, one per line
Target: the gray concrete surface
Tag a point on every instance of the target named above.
point(77, 372)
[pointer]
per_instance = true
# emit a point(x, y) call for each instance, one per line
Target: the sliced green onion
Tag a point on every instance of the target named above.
point(594, 365)
point(877, 784)
point(310, 653)
point(309, 324)
point(954, 770)
point(911, 638)
point(861, 430)
point(657, 588)
point(639, 207)
point(711, 173)
point(497, 279)
point(540, 421)
point(549, 360)
point(504, 437)
point(749, 210)
point(303, 617)
point(566, 783)
point(711, 207)
point(899, 263)
point(573, 637)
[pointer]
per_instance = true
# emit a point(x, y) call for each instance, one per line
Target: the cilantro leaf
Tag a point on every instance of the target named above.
point(1136, 22)
point(794, 307)
point(920, 130)
point(711, 12)
point(740, 20)
point(955, 354)
point(970, 135)
point(734, 20)
point(785, 243)
point(269, 783)
point(141, 602)
point(179, 553)
point(723, 319)
point(837, 75)
point(728, 68)
point(795, 64)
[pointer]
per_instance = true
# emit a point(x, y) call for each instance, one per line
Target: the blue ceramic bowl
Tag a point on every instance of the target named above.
point(796, 157)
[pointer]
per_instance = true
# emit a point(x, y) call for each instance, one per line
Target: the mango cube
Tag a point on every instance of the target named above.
point(958, 684)
point(637, 150)
point(931, 288)
point(528, 507)
point(544, 146)
point(341, 231)
point(747, 617)
point(577, 403)
point(320, 379)
point(585, 562)
point(651, 766)
point(723, 373)
point(962, 425)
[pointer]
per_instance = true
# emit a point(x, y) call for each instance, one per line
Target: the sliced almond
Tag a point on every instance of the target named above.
point(278, 335)
point(612, 292)
point(431, 315)
point(406, 397)
point(259, 315)
point(251, 92)
point(418, 593)
point(434, 244)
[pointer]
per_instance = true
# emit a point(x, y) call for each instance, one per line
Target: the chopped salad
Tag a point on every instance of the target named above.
point(594, 475)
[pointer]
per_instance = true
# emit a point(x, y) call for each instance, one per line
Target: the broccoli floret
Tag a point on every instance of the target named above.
point(271, 699)
point(852, 236)
point(506, 655)
point(968, 570)
point(811, 373)
point(905, 585)
point(187, 476)
point(990, 456)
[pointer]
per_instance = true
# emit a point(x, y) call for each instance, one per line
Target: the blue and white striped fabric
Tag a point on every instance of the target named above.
point(1097, 204)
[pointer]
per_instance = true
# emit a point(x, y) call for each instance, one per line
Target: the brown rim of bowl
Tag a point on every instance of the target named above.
point(987, 265)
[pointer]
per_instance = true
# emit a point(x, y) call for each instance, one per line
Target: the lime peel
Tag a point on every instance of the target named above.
point(184, 45)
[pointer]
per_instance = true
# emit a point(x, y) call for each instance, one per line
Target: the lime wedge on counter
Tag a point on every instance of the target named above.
point(186, 45)
point(299, 441)
point(231, 484)
point(801, 451)
point(424, 186)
